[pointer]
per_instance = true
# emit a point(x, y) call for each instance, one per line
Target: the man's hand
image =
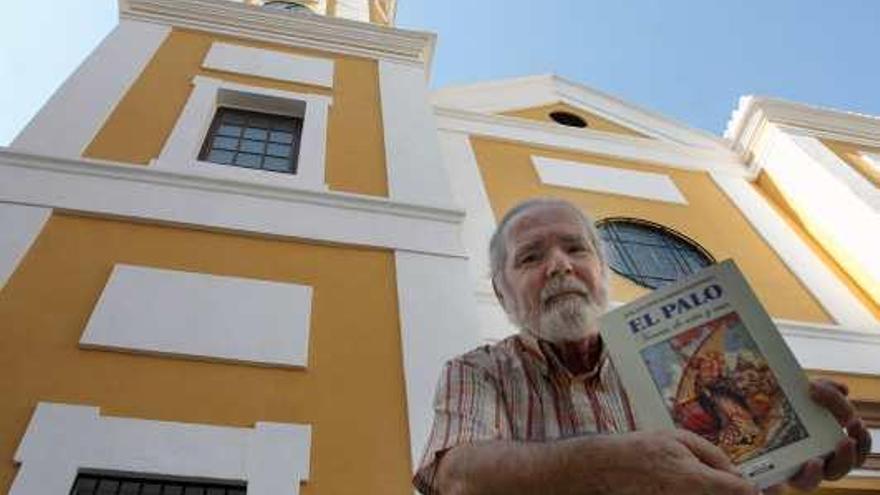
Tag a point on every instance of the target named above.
point(679, 462)
point(644, 463)
point(849, 453)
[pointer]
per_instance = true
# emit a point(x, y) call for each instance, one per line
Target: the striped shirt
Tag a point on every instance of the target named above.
point(518, 389)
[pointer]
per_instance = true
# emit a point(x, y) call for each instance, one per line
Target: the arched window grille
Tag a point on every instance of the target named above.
point(650, 254)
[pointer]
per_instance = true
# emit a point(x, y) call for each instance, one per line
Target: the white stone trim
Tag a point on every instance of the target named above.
point(532, 91)
point(21, 226)
point(535, 133)
point(302, 30)
point(270, 64)
point(604, 179)
point(832, 348)
point(69, 121)
point(469, 191)
point(412, 151)
point(170, 312)
point(841, 170)
point(181, 149)
point(273, 458)
point(437, 321)
point(171, 198)
point(832, 294)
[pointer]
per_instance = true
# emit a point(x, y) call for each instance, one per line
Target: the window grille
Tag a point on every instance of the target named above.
point(649, 254)
point(100, 484)
point(255, 140)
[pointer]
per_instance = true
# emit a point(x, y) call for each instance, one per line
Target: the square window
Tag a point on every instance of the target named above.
point(253, 140)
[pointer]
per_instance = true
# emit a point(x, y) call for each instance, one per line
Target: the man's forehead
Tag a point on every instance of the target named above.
point(545, 221)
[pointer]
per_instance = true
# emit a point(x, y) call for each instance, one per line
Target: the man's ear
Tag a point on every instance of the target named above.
point(497, 291)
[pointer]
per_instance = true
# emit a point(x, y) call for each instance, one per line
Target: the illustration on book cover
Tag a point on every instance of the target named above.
point(715, 382)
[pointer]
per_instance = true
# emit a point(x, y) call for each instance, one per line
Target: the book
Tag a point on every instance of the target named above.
point(703, 355)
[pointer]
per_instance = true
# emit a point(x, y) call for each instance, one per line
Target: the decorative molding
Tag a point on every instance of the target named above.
point(412, 151)
point(21, 226)
point(611, 180)
point(270, 64)
point(873, 160)
point(273, 458)
point(301, 30)
point(832, 294)
point(832, 347)
point(71, 118)
point(175, 198)
point(437, 322)
point(169, 312)
point(527, 92)
point(755, 113)
point(181, 149)
point(535, 133)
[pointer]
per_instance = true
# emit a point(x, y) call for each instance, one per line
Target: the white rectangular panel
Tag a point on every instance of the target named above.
point(195, 314)
point(597, 178)
point(270, 64)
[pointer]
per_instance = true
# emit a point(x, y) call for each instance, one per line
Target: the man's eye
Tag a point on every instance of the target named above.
point(529, 258)
point(576, 248)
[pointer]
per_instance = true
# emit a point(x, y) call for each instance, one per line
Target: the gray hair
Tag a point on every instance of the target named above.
point(498, 243)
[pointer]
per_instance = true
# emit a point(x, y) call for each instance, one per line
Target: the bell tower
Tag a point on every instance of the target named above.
point(375, 11)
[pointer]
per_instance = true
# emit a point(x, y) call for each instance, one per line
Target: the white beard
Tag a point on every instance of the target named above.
point(571, 317)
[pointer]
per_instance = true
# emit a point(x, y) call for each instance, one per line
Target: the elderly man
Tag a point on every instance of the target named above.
point(543, 411)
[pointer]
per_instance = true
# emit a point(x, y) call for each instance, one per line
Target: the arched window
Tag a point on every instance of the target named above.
point(568, 119)
point(649, 254)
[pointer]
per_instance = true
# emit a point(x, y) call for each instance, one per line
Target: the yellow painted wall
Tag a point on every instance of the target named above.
point(142, 121)
point(850, 153)
point(509, 177)
point(352, 392)
point(594, 121)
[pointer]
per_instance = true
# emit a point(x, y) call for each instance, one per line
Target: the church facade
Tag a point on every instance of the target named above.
point(243, 237)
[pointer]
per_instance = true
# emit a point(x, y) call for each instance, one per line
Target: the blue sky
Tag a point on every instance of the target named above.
point(690, 60)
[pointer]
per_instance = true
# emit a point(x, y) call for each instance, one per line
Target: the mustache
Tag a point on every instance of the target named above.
point(564, 285)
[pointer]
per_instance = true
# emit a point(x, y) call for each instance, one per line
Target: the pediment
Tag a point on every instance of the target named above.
point(535, 97)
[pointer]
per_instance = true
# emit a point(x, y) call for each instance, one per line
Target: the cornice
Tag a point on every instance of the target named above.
point(755, 113)
point(536, 133)
point(302, 30)
point(530, 91)
point(145, 193)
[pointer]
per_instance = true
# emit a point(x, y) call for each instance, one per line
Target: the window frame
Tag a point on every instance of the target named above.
point(216, 123)
point(183, 146)
point(668, 236)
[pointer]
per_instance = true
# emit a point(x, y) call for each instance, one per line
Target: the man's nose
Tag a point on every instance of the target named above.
point(558, 263)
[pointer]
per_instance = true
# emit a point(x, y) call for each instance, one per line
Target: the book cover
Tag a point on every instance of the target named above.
point(703, 355)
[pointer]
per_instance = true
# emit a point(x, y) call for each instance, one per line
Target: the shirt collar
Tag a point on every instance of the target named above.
point(546, 356)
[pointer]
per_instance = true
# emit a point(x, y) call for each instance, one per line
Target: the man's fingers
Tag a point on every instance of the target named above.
point(773, 490)
point(809, 476)
point(720, 482)
point(841, 387)
point(829, 396)
point(857, 431)
point(706, 452)
point(841, 461)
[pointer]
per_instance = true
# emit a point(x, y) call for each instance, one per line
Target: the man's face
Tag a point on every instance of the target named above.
point(553, 282)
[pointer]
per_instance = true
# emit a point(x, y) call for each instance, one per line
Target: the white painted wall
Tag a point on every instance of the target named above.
point(611, 180)
point(19, 227)
point(834, 296)
point(273, 458)
point(270, 64)
point(199, 315)
point(356, 10)
point(438, 321)
point(813, 181)
point(412, 151)
point(68, 122)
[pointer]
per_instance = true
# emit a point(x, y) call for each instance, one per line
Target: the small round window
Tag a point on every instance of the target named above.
point(649, 254)
point(568, 119)
point(288, 6)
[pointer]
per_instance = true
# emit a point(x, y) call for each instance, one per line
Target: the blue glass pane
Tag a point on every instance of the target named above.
point(248, 160)
point(277, 164)
point(252, 146)
point(251, 133)
point(229, 130)
point(278, 150)
point(225, 143)
point(220, 156)
point(281, 137)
